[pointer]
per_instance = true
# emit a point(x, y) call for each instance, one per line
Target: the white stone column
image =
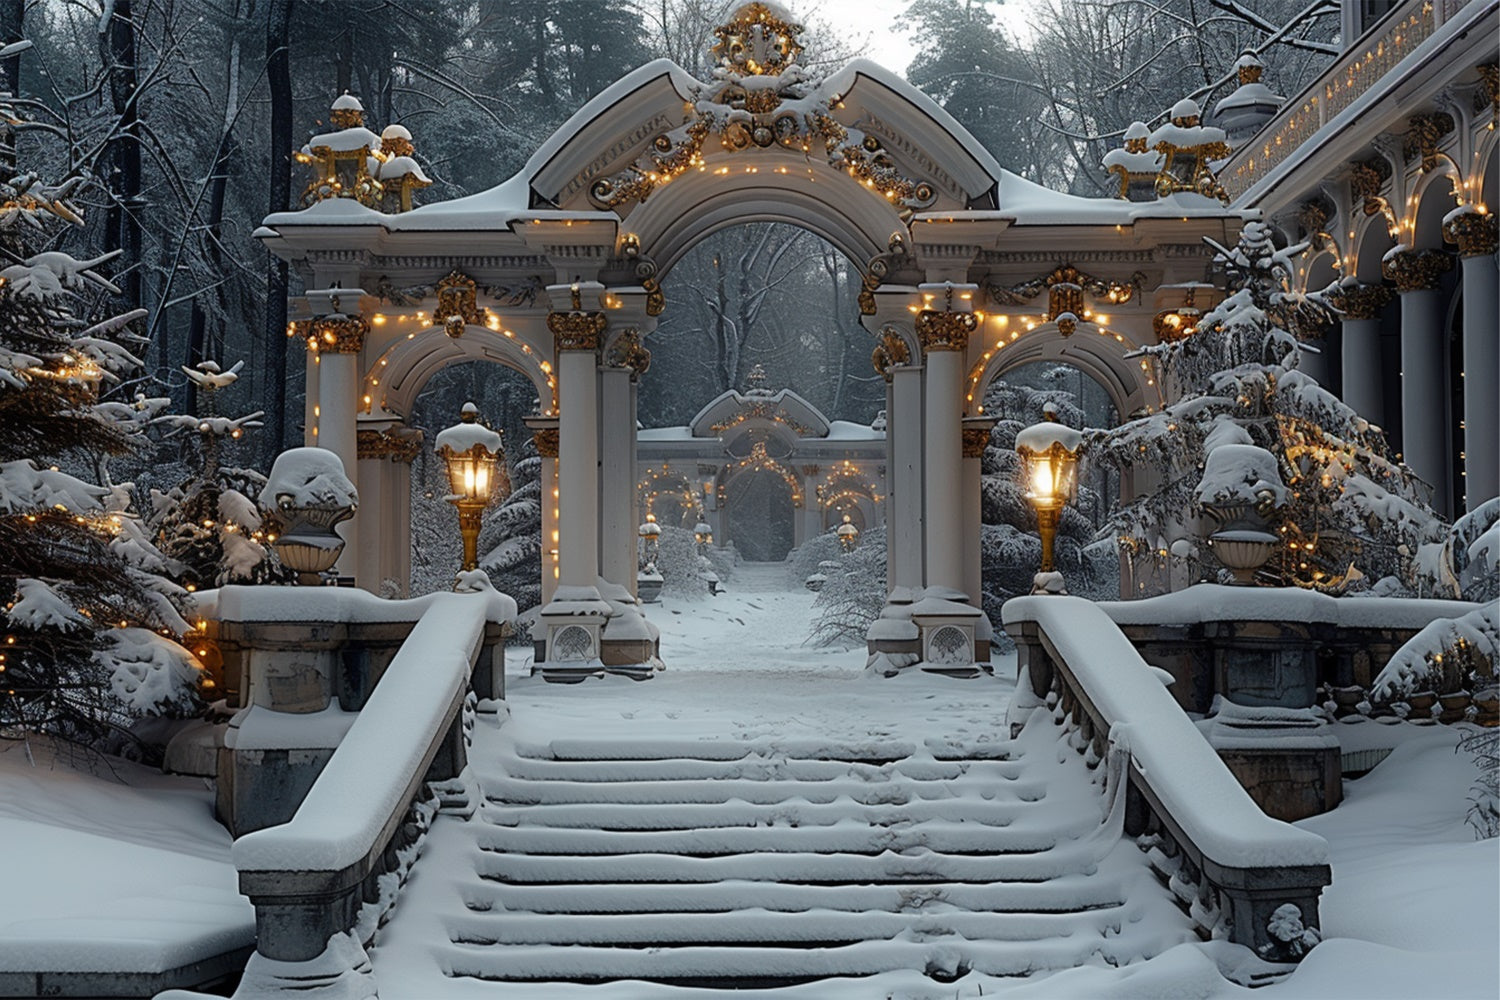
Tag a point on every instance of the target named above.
point(617, 537)
point(976, 437)
point(904, 477)
point(1363, 389)
point(1476, 236)
point(340, 337)
point(375, 519)
point(578, 464)
point(1424, 397)
point(944, 336)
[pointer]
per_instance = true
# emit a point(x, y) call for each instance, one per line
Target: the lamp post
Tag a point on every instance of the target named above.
point(703, 534)
point(648, 579)
point(848, 535)
point(476, 474)
point(1049, 459)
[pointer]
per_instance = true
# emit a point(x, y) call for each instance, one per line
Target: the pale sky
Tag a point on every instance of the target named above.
point(875, 19)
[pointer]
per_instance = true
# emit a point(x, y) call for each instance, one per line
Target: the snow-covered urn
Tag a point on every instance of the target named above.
point(1239, 489)
point(307, 494)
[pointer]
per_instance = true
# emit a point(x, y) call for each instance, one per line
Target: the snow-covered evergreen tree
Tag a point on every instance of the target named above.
point(82, 585)
point(1344, 508)
point(208, 524)
point(511, 538)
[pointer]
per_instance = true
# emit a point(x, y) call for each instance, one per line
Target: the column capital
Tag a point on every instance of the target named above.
point(397, 444)
point(573, 327)
point(890, 353)
point(1476, 233)
point(945, 331)
point(1361, 301)
point(976, 431)
point(627, 351)
point(1416, 270)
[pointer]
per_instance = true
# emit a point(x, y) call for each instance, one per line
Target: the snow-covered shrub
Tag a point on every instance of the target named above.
point(149, 674)
point(803, 561)
point(853, 593)
point(1484, 795)
point(1466, 563)
point(1450, 654)
point(678, 563)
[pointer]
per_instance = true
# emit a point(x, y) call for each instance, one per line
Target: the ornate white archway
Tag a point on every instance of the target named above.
point(557, 272)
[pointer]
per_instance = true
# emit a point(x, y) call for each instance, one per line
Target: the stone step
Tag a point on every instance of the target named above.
point(791, 812)
point(763, 928)
point(916, 866)
point(845, 837)
point(944, 959)
point(1066, 893)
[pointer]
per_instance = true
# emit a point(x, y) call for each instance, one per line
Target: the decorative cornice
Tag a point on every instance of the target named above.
point(945, 331)
point(1416, 270)
point(890, 352)
point(1361, 301)
point(993, 257)
point(1476, 233)
point(402, 446)
point(628, 352)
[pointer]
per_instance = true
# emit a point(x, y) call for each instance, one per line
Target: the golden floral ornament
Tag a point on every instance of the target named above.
point(759, 44)
point(945, 331)
point(758, 40)
point(547, 440)
point(1366, 178)
point(456, 306)
point(1416, 270)
point(1474, 231)
point(401, 445)
point(890, 352)
point(1066, 286)
point(336, 332)
point(1188, 147)
point(1423, 136)
point(627, 351)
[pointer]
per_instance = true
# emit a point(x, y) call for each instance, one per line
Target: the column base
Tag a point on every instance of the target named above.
point(932, 630)
point(614, 637)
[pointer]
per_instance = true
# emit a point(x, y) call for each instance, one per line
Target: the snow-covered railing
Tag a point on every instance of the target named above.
point(1240, 872)
point(309, 877)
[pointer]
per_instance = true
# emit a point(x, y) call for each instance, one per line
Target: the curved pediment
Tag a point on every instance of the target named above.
point(783, 409)
point(863, 126)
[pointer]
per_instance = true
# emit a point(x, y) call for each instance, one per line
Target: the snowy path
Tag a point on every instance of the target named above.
point(739, 668)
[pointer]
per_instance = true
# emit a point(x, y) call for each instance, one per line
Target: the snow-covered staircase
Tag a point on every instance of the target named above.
point(720, 863)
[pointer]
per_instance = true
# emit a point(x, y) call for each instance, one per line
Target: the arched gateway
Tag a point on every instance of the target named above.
point(969, 271)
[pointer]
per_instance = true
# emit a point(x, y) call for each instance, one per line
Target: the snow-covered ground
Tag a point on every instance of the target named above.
point(1412, 911)
point(110, 866)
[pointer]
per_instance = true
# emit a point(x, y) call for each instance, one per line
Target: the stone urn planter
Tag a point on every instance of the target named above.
point(1455, 706)
point(648, 584)
point(305, 496)
point(1420, 704)
point(1487, 707)
point(1239, 489)
point(1346, 700)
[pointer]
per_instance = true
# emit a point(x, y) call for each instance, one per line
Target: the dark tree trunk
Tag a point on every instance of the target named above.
point(124, 160)
point(12, 18)
point(279, 77)
point(199, 347)
point(11, 29)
